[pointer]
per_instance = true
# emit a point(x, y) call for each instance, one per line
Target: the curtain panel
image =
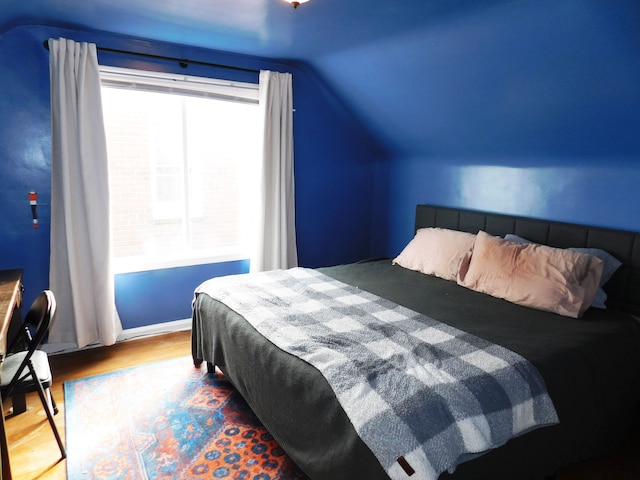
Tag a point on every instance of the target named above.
point(80, 270)
point(276, 220)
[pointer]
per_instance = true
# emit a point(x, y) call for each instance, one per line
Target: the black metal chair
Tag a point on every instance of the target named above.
point(28, 370)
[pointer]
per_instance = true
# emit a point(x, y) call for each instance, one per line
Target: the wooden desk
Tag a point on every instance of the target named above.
point(10, 300)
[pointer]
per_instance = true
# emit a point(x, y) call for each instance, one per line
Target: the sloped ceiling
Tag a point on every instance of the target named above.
point(454, 78)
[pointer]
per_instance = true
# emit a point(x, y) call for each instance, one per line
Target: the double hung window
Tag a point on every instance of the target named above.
point(183, 159)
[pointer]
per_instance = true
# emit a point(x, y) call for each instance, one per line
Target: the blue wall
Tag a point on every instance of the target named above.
point(600, 192)
point(528, 107)
point(335, 166)
point(146, 298)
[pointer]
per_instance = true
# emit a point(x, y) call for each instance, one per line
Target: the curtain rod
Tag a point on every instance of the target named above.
point(183, 62)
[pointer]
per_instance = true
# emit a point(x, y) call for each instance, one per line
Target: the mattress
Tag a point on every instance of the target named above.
point(591, 367)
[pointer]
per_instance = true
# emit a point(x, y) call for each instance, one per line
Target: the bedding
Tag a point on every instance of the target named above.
point(611, 264)
point(591, 365)
point(437, 251)
point(484, 394)
point(533, 275)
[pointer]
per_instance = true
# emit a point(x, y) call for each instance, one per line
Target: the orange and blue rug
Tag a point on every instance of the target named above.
point(167, 420)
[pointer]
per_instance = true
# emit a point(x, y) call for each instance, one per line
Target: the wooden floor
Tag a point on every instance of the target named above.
point(29, 432)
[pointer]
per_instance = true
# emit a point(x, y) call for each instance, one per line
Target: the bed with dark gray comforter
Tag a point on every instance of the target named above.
point(590, 365)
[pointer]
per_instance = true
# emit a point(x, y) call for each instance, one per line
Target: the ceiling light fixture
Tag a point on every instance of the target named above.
point(296, 3)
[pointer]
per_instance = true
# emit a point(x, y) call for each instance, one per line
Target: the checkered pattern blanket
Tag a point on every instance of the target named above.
point(422, 395)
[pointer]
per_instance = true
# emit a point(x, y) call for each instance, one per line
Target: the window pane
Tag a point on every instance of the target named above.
point(182, 171)
point(220, 159)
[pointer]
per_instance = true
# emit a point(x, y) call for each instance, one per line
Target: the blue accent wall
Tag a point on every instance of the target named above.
point(529, 107)
point(334, 166)
point(158, 296)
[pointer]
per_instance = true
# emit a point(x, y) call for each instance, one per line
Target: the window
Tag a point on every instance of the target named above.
point(183, 157)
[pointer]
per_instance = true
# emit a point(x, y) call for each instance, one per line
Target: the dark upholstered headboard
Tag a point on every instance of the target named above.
point(623, 289)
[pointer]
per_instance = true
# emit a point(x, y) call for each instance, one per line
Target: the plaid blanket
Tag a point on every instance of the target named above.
point(421, 394)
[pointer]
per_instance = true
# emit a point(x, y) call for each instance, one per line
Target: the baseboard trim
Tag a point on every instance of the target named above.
point(128, 334)
point(156, 329)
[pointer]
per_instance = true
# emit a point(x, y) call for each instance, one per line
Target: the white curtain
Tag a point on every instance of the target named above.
point(276, 222)
point(80, 273)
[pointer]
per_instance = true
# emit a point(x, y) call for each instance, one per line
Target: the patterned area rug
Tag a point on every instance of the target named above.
point(167, 420)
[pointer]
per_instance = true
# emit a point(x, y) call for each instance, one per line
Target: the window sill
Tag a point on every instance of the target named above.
point(131, 265)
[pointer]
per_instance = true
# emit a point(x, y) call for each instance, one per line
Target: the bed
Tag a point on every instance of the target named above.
point(590, 365)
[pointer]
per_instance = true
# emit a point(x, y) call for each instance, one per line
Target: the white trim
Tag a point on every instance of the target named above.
point(182, 84)
point(128, 334)
point(155, 329)
point(143, 264)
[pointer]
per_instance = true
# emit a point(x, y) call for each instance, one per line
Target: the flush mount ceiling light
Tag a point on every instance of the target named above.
point(296, 3)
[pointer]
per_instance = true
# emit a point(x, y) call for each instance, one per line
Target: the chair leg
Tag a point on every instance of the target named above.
point(53, 402)
point(48, 411)
point(18, 403)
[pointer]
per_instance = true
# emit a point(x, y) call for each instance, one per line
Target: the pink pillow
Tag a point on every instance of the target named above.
point(437, 251)
point(533, 275)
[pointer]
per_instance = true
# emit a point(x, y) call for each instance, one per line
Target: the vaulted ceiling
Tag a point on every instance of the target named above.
point(459, 78)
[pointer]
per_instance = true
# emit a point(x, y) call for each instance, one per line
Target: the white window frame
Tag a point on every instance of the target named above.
point(126, 78)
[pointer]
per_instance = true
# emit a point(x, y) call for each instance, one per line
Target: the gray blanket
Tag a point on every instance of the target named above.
point(422, 395)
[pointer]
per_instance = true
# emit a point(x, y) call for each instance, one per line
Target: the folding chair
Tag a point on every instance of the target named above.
point(28, 370)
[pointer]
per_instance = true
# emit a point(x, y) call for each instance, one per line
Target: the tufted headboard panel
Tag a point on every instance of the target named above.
point(623, 290)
